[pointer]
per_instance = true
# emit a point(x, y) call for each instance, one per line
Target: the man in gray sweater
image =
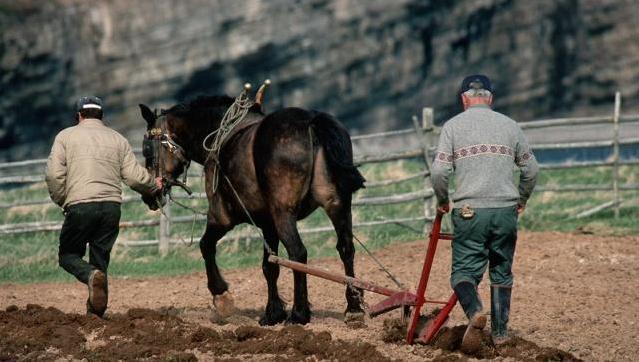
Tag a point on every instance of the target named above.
point(482, 147)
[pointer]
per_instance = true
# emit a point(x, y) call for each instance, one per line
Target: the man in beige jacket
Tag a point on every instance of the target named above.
point(85, 170)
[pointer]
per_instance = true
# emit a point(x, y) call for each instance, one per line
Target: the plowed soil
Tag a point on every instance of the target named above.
point(575, 297)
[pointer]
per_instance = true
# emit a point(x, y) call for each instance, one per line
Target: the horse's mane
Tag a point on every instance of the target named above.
point(202, 108)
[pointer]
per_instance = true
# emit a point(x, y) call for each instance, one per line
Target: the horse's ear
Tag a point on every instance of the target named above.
point(147, 114)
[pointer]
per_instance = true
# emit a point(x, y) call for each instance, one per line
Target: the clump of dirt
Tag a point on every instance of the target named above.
point(47, 333)
point(522, 349)
point(36, 328)
point(449, 341)
point(296, 343)
point(394, 330)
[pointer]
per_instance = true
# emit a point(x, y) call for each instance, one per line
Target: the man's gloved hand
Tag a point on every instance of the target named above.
point(443, 208)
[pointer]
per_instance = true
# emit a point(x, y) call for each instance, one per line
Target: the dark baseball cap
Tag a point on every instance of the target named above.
point(88, 102)
point(477, 81)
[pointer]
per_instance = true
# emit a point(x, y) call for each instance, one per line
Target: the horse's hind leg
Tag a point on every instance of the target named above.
point(285, 223)
point(216, 284)
point(274, 312)
point(339, 211)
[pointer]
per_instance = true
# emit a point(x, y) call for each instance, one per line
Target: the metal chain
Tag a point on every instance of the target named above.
point(187, 207)
point(379, 263)
point(158, 204)
point(195, 213)
point(248, 214)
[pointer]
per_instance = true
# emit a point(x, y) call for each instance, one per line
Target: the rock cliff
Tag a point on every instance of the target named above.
point(371, 63)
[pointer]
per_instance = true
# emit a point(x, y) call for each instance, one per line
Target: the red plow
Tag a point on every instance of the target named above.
point(396, 298)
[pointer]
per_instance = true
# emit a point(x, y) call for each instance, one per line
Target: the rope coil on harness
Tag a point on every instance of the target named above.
point(232, 117)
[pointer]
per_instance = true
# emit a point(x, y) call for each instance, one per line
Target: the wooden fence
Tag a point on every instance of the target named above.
point(165, 219)
point(426, 133)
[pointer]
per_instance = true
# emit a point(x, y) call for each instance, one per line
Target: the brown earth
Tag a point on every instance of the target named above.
point(575, 298)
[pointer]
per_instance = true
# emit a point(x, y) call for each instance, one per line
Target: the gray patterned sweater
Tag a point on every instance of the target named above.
point(481, 147)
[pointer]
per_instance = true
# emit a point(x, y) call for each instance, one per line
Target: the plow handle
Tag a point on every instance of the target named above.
point(423, 281)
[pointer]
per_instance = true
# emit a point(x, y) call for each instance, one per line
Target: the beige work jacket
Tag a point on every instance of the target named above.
point(88, 163)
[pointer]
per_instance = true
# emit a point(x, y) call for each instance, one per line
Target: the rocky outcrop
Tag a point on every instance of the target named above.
point(372, 63)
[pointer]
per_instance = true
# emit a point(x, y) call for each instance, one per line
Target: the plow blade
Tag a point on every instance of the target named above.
point(396, 300)
point(425, 334)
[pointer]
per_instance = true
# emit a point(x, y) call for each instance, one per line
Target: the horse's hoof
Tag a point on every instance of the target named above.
point(216, 318)
point(355, 320)
point(273, 314)
point(224, 305)
point(299, 317)
point(354, 317)
point(271, 319)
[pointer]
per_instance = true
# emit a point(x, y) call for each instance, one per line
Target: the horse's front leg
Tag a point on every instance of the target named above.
point(274, 312)
point(215, 282)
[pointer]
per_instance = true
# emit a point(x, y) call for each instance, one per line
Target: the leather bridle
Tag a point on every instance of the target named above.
point(156, 142)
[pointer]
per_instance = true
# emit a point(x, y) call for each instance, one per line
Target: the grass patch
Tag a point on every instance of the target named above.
point(556, 211)
point(32, 257)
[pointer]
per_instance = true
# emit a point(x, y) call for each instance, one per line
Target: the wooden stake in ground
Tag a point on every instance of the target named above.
point(423, 133)
point(165, 230)
point(615, 153)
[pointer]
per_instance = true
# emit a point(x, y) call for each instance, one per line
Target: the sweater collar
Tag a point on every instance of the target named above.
point(484, 106)
point(91, 122)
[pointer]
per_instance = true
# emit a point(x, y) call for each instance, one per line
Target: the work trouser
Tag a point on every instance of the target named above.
point(95, 223)
point(488, 238)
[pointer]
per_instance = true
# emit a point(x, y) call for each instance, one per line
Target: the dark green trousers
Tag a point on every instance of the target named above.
point(95, 224)
point(487, 239)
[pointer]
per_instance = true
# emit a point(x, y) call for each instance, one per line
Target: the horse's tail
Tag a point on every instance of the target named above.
point(338, 149)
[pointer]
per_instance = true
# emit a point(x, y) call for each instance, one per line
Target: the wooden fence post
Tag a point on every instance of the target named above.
point(615, 153)
point(425, 133)
point(428, 122)
point(165, 230)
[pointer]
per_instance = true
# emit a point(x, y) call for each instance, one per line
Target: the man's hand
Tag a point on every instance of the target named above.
point(159, 183)
point(443, 208)
point(520, 209)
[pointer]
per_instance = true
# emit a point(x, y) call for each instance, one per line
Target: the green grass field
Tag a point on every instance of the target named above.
point(32, 257)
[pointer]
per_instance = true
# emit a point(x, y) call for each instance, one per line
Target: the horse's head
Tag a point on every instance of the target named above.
point(162, 152)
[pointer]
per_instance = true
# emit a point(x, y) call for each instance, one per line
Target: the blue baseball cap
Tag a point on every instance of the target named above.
point(476, 81)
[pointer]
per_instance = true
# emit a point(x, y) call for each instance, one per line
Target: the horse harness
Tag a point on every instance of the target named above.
point(155, 141)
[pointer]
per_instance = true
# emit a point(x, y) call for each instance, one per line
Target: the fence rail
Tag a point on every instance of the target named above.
point(416, 153)
point(426, 133)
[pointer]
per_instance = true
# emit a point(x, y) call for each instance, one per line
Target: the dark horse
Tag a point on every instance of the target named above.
point(283, 166)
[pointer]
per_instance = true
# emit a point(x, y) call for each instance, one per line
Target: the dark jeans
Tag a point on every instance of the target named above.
point(487, 239)
point(96, 224)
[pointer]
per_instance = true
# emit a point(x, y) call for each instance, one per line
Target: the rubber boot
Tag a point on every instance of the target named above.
point(499, 311)
point(470, 302)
